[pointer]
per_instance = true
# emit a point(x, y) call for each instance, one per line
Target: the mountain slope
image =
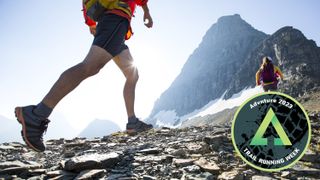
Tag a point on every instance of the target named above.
point(99, 128)
point(226, 61)
point(223, 49)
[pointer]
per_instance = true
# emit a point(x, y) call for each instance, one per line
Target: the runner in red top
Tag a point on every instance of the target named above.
point(110, 33)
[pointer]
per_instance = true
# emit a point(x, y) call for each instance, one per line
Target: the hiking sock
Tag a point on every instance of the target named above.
point(42, 110)
point(132, 119)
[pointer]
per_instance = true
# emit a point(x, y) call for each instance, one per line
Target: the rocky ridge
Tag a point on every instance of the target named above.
point(226, 61)
point(204, 152)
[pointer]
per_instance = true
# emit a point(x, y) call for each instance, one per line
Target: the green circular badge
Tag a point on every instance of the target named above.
point(271, 131)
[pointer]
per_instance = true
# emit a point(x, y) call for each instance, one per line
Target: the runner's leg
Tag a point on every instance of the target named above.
point(71, 78)
point(125, 62)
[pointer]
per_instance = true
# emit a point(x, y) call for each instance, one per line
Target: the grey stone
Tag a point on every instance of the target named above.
point(7, 148)
point(92, 161)
point(183, 162)
point(306, 171)
point(257, 177)
point(201, 148)
point(91, 174)
point(150, 158)
point(151, 151)
point(211, 166)
point(146, 177)
point(202, 176)
point(231, 175)
point(311, 156)
point(13, 171)
point(178, 153)
point(215, 141)
point(192, 169)
point(27, 164)
point(60, 174)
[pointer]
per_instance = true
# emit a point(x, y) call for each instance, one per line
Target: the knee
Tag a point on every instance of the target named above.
point(133, 77)
point(90, 70)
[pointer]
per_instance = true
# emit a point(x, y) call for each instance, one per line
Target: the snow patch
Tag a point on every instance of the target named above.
point(166, 118)
point(221, 104)
point(171, 119)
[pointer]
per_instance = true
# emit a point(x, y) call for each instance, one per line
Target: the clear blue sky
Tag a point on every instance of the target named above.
point(40, 39)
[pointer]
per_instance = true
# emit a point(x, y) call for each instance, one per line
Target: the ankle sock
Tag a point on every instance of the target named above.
point(42, 110)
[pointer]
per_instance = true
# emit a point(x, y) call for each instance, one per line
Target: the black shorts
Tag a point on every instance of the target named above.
point(110, 33)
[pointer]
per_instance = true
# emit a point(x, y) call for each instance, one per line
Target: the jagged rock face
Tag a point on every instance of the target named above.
point(297, 57)
point(192, 153)
point(210, 69)
point(228, 58)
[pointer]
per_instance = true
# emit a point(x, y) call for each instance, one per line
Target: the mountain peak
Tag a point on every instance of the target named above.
point(235, 17)
point(230, 28)
point(233, 22)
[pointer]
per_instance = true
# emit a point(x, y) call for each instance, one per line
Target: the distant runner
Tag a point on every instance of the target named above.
point(268, 75)
point(112, 29)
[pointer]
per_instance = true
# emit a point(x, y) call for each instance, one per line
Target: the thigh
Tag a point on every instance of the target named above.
point(97, 56)
point(125, 62)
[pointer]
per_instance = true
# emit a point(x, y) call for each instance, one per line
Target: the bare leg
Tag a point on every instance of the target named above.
point(125, 62)
point(71, 78)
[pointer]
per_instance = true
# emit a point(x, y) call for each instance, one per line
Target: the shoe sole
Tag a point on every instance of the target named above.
point(20, 119)
point(133, 132)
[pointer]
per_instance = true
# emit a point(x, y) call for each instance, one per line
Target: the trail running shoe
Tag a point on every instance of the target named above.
point(33, 127)
point(137, 126)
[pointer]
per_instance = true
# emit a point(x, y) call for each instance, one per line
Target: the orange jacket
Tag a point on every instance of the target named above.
point(132, 4)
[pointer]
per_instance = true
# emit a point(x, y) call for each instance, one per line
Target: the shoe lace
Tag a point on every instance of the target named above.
point(44, 127)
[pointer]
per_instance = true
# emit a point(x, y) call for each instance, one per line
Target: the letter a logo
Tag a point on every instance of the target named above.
point(258, 139)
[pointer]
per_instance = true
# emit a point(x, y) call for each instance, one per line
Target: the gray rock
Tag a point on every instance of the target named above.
point(91, 161)
point(65, 175)
point(128, 176)
point(231, 175)
point(202, 176)
point(151, 151)
point(178, 153)
point(201, 148)
point(91, 174)
point(215, 141)
point(27, 164)
point(9, 164)
point(306, 171)
point(146, 177)
point(183, 162)
point(257, 177)
point(150, 158)
point(211, 166)
point(13, 171)
point(192, 169)
point(311, 156)
point(7, 148)
point(37, 172)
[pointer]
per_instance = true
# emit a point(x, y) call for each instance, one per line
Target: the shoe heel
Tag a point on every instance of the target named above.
point(17, 112)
